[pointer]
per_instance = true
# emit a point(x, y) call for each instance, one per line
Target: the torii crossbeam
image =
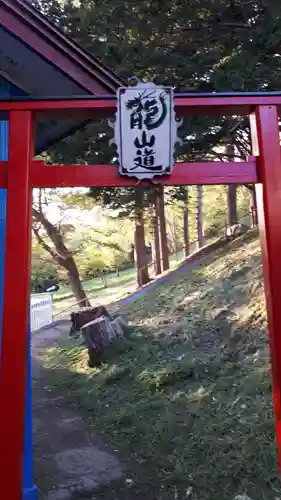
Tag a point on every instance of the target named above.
point(21, 173)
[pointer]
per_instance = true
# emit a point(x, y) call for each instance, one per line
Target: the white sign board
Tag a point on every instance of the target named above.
point(145, 130)
point(41, 310)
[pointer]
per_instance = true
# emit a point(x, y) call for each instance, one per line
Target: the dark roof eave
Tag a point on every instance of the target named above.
point(30, 16)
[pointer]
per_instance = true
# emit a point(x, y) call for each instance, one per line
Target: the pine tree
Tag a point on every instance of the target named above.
point(199, 217)
point(198, 45)
point(186, 224)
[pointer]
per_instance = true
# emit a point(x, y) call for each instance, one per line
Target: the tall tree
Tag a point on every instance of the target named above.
point(161, 219)
point(131, 203)
point(253, 208)
point(201, 46)
point(232, 204)
point(231, 190)
point(156, 255)
point(140, 246)
point(56, 247)
point(181, 195)
point(186, 224)
point(199, 216)
point(130, 37)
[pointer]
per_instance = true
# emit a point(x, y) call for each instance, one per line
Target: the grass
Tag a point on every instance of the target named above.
point(116, 287)
point(97, 284)
point(185, 399)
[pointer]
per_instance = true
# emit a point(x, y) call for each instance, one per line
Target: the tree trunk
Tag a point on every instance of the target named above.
point(232, 204)
point(160, 211)
point(199, 216)
point(140, 248)
point(253, 208)
point(61, 255)
point(75, 283)
point(156, 244)
point(231, 192)
point(186, 225)
point(173, 232)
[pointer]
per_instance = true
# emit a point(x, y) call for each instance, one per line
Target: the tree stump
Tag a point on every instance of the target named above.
point(117, 325)
point(98, 334)
point(86, 315)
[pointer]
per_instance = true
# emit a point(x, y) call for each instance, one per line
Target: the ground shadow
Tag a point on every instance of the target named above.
point(185, 401)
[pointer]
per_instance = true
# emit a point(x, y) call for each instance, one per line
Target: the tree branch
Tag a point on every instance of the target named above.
point(45, 245)
point(53, 233)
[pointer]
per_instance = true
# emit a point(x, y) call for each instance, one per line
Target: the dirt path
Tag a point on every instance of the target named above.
point(69, 463)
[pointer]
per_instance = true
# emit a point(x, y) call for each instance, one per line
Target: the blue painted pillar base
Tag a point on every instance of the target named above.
point(30, 493)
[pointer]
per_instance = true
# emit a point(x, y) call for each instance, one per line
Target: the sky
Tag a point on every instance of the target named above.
point(93, 218)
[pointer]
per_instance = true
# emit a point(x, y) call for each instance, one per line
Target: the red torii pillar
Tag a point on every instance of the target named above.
point(14, 350)
point(21, 173)
point(266, 143)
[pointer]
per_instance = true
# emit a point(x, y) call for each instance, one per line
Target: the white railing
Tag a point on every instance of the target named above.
point(41, 310)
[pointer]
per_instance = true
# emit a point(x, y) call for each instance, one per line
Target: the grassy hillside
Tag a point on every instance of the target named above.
point(186, 400)
point(116, 286)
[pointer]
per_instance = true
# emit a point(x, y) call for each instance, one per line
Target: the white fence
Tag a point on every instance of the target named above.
point(41, 310)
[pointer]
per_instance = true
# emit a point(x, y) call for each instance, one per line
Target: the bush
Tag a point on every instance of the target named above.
point(43, 274)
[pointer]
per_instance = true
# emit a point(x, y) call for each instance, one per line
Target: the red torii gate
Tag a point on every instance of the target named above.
point(21, 173)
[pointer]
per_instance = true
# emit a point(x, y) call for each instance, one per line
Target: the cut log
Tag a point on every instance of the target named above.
point(85, 315)
point(98, 334)
point(117, 326)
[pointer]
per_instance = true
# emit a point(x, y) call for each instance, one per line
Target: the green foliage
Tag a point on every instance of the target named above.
point(189, 402)
point(198, 45)
point(104, 247)
point(42, 266)
point(214, 210)
point(117, 286)
point(42, 269)
point(108, 246)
